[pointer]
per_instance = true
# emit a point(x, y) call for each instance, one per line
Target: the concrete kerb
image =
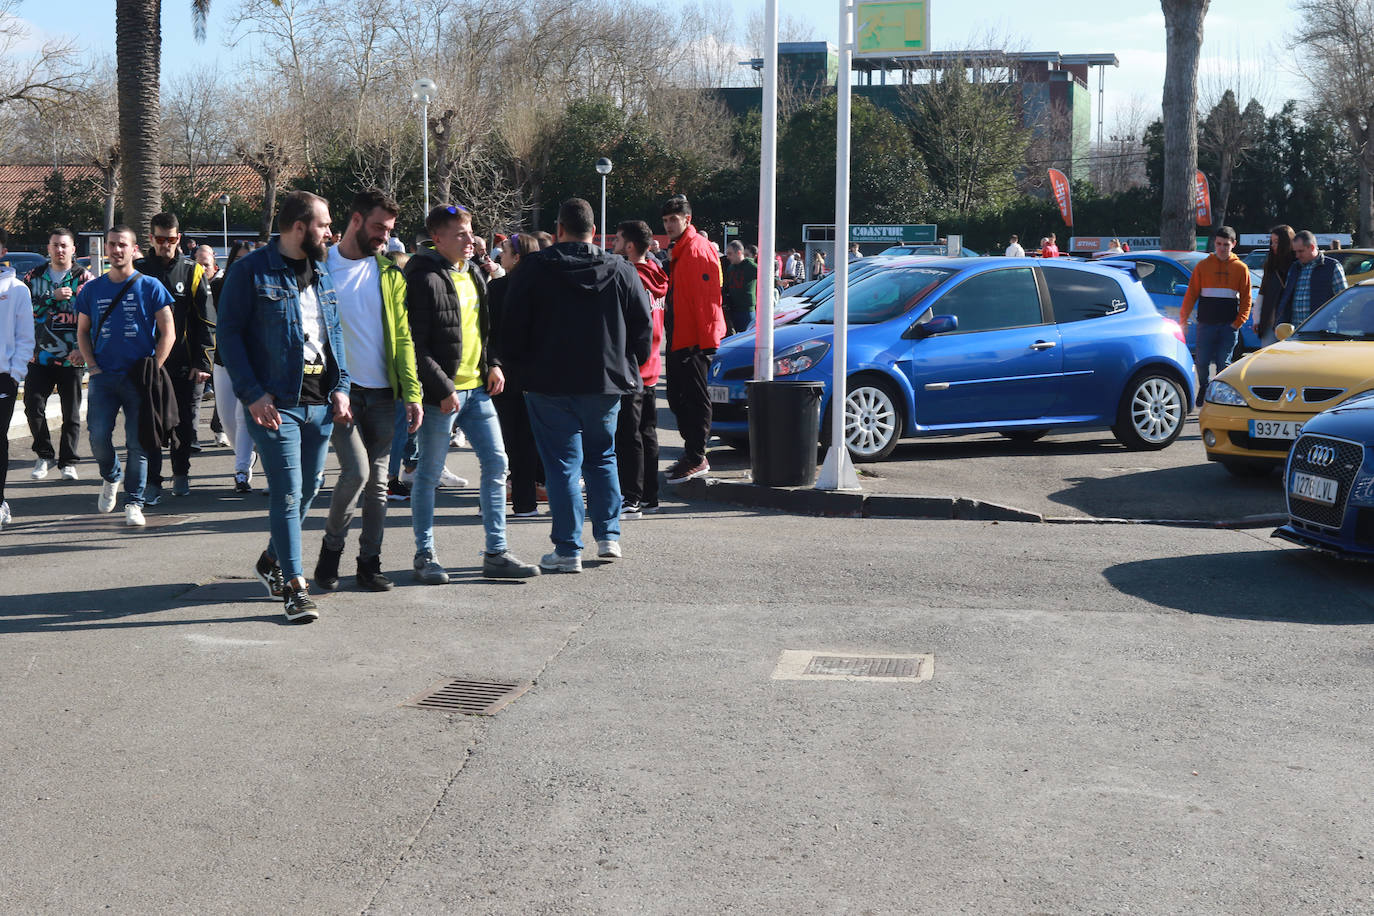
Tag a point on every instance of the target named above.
point(849, 504)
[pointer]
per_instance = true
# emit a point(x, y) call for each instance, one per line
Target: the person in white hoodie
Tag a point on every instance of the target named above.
point(16, 349)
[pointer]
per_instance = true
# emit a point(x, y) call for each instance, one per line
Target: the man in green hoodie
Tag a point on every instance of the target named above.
point(741, 285)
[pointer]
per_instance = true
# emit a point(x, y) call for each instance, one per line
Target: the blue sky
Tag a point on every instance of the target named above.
point(1248, 31)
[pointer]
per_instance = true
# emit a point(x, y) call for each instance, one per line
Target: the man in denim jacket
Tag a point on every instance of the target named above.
point(281, 342)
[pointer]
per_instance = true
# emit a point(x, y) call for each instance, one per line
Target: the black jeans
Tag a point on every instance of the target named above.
point(9, 390)
point(37, 388)
point(188, 406)
point(522, 455)
point(689, 400)
point(636, 447)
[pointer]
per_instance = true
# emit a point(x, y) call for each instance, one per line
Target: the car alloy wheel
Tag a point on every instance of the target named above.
point(871, 422)
point(1152, 413)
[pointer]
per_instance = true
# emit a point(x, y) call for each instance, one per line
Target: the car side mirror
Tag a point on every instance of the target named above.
point(940, 324)
point(1178, 289)
point(1284, 331)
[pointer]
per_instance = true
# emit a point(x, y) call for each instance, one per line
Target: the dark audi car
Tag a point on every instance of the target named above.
point(1329, 482)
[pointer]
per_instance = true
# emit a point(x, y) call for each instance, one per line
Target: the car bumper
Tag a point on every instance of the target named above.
point(1332, 545)
point(1229, 429)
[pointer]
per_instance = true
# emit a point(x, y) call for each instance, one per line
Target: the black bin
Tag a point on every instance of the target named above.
point(784, 432)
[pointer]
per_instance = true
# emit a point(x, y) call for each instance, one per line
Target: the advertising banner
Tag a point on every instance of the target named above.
point(1204, 201)
point(1060, 183)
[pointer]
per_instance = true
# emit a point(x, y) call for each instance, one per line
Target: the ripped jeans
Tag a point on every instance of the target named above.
point(293, 460)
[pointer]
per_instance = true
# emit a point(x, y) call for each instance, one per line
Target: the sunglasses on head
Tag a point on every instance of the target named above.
point(455, 209)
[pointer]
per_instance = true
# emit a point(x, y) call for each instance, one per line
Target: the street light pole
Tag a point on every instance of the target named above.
point(224, 205)
point(422, 92)
point(603, 165)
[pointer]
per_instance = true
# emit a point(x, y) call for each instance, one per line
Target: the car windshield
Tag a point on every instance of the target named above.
point(825, 287)
point(883, 295)
point(1348, 316)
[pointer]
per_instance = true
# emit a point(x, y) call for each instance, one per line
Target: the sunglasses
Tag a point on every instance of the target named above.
point(164, 239)
point(455, 209)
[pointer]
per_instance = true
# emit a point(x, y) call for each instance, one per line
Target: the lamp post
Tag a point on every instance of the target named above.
point(422, 92)
point(224, 206)
point(603, 165)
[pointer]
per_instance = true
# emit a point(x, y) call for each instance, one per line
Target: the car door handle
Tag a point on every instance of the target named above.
point(937, 386)
point(1043, 345)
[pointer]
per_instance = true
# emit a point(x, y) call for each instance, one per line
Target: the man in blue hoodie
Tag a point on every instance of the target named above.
point(577, 326)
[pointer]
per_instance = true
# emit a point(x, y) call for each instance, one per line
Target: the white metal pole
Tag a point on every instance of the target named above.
point(768, 184)
point(603, 211)
point(838, 471)
point(424, 132)
point(225, 208)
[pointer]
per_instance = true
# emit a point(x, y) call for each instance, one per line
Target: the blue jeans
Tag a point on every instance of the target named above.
point(577, 432)
point(108, 393)
point(1214, 344)
point(476, 417)
point(293, 460)
point(405, 445)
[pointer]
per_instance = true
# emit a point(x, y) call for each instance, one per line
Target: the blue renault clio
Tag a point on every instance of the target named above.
point(952, 346)
point(1330, 482)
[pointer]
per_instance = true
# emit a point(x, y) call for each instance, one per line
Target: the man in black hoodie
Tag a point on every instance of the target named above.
point(577, 326)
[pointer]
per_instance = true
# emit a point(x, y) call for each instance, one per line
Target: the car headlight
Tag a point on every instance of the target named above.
point(800, 358)
point(1222, 393)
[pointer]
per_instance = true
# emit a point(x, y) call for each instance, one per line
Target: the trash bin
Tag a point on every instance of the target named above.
point(784, 432)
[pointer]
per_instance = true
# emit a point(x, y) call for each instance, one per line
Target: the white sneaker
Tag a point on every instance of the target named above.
point(41, 468)
point(552, 562)
point(109, 490)
point(5, 516)
point(449, 479)
point(608, 550)
point(133, 516)
point(69, 473)
point(222, 439)
point(458, 440)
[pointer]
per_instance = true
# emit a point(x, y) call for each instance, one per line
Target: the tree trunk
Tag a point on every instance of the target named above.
point(138, 49)
point(1224, 173)
point(1183, 43)
point(111, 186)
point(1360, 137)
point(269, 206)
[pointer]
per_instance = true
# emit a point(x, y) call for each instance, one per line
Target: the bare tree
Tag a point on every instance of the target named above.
point(1183, 44)
point(38, 78)
point(1119, 163)
point(269, 142)
point(194, 128)
point(1335, 40)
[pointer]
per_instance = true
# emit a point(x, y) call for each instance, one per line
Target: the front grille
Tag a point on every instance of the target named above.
point(1342, 469)
point(1267, 392)
point(738, 373)
point(1318, 395)
point(1241, 439)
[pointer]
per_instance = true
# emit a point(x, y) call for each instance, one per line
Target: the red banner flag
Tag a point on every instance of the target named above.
point(1060, 183)
point(1204, 201)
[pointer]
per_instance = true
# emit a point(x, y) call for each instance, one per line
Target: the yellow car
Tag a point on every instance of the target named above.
point(1256, 408)
point(1357, 263)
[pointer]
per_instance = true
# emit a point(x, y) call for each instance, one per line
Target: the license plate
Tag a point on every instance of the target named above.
point(1317, 489)
point(1275, 429)
point(720, 394)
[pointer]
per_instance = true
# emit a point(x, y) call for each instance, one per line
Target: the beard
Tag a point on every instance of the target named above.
point(314, 250)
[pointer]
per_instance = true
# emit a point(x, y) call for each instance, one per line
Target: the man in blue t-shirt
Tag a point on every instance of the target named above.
point(122, 317)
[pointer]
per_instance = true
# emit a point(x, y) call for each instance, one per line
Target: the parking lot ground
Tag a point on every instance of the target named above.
point(1077, 475)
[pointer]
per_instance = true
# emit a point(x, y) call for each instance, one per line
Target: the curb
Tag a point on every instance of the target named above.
point(850, 504)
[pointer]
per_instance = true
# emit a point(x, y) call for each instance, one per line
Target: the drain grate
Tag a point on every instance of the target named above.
point(471, 698)
point(811, 665)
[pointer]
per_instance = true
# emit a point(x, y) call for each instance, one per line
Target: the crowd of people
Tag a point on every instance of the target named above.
point(544, 358)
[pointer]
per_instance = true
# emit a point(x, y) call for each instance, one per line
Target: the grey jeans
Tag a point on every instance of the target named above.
point(363, 444)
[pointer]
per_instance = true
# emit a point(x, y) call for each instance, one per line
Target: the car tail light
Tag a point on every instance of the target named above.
point(1175, 330)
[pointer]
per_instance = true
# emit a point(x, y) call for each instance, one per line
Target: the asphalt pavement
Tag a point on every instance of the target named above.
point(1132, 718)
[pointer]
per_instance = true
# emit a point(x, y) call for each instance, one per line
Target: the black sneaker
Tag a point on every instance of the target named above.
point(298, 607)
point(396, 491)
point(684, 470)
point(369, 576)
point(269, 574)
point(241, 484)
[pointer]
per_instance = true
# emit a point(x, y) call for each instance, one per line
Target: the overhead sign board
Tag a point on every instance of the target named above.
point(893, 235)
point(885, 28)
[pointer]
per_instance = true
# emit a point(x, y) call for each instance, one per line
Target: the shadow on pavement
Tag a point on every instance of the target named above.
point(1298, 586)
point(127, 607)
point(1197, 491)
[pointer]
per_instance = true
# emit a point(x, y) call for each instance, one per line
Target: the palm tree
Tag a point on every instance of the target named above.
point(138, 54)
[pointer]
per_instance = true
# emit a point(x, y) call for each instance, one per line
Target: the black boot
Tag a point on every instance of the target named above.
point(327, 569)
point(370, 576)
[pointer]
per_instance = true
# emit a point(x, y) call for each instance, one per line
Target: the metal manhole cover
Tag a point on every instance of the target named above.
point(812, 665)
point(471, 698)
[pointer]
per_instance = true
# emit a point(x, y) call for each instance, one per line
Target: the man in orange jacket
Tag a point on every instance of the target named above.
point(1220, 287)
point(695, 325)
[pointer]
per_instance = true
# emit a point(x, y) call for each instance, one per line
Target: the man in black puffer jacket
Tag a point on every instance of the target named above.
point(577, 327)
point(446, 297)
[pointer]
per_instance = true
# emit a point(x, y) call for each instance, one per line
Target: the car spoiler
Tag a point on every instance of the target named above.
point(1138, 270)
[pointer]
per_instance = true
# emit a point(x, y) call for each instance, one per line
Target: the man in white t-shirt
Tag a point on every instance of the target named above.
point(381, 368)
point(1014, 250)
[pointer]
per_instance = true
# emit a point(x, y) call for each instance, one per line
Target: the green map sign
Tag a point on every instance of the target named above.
point(889, 27)
point(893, 235)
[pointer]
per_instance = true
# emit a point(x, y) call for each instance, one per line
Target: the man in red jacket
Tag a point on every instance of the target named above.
point(695, 325)
point(636, 434)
